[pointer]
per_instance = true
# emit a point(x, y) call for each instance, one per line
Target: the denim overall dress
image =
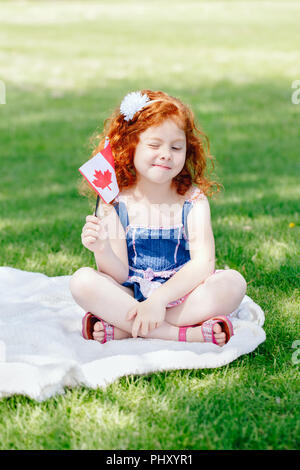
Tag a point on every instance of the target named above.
point(155, 253)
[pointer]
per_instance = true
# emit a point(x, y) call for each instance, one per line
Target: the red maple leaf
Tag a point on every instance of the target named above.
point(102, 179)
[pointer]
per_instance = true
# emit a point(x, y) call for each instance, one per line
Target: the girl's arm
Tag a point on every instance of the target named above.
point(112, 259)
point(202, 253)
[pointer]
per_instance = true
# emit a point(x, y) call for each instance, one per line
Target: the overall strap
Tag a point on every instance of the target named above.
point(187, 206)
point(185, 212)
point(121, 210)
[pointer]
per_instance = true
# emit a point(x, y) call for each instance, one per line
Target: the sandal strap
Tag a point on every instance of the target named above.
point(207, 331)
point(182, 333)
point(108, 331)
point(207, 328)
point(88, 323)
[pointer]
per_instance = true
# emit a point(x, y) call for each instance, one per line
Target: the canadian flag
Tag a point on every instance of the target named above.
point(100, 173)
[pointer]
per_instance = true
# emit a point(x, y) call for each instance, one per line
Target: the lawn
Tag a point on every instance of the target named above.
point(66, 66)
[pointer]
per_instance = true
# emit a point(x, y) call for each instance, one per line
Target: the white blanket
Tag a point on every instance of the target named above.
point(42, 350)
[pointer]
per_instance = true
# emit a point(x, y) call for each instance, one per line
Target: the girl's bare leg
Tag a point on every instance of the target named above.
point(101, 295)
point(220, 294)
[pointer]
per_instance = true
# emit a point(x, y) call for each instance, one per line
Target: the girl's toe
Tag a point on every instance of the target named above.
point(98, 326)
point(98, 336)
point(217, 328)
point(219, 334)
point(98, 333)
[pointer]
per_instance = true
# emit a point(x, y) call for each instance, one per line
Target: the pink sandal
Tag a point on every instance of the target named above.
point(88, 323)
point(207, 329)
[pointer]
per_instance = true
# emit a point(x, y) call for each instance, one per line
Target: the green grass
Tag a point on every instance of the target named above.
point(66, 66)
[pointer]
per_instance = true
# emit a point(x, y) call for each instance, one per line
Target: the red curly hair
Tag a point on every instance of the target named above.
point(124, 137)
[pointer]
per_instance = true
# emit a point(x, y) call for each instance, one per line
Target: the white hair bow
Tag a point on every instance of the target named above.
point(134, 102)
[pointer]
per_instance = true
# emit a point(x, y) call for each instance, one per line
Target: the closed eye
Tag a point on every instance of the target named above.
point(156, 146)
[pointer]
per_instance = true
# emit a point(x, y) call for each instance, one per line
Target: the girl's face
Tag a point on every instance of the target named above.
point(161, 151)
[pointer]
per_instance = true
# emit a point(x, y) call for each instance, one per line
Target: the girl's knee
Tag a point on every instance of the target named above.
point(238, 283)
point(81, 281)
point(227, 283)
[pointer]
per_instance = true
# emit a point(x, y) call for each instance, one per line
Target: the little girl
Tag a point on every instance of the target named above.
point(154, 246)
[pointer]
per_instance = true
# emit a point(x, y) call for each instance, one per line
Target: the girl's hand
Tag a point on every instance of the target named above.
point(94, 236)
point(148, 314)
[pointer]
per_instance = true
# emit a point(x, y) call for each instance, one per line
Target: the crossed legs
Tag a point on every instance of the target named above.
point(98, 293)
point(220, 294)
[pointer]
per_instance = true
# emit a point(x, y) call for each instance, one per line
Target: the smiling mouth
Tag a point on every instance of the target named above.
point(165, 167)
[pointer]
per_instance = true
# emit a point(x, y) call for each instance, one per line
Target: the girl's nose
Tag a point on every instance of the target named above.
point(166, 153)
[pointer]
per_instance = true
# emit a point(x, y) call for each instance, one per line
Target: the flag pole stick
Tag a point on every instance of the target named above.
point(97, 204)
point(98, 198)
